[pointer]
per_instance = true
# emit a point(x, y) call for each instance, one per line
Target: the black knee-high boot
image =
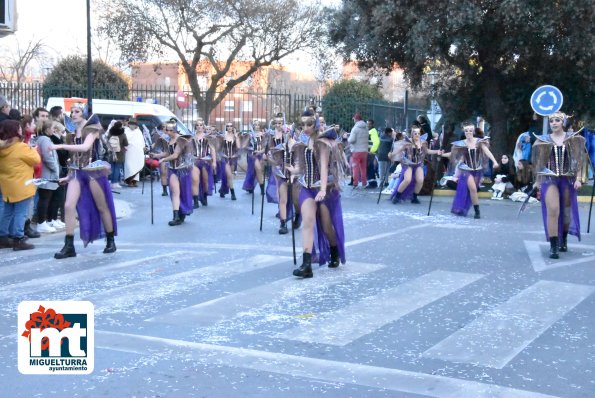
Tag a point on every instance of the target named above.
point(297, 221)
point(564, 242)
point(476, 208)
point(335, 260)
point(68, 249)
point(305, 270)
point(283, 228)
point(176, 220)
point(554, 247)
point(110, 246)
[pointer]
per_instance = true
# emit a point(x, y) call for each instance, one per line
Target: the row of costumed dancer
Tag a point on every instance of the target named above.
point(307, 171)
point(304, 178)
point(558, 158)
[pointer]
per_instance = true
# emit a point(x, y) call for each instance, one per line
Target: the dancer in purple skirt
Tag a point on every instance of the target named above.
point(281, 155)
point(228, 146)
point(179, 160)
point(319, 164)
point(561, 168)
point(205, 164)
point(470, 157)
point(413, 152)
point(89, 192)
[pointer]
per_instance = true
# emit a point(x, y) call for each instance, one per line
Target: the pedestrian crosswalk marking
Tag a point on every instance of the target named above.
point(538, 255)
point(364, 317)
point(85, 275)
point(47, 262)
point(126, 298)
point(7, 259)
point(213, 311)
point(210, 246)
point(400, 381)
point(496, 337)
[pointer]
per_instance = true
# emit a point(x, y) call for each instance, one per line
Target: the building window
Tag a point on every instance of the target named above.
point(247, 106)
point(229, 106)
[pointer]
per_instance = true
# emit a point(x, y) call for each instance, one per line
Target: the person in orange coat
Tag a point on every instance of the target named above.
point(17, 161)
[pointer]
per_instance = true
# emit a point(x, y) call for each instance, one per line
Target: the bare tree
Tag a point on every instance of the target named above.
point(13, 67)
point(217, 32)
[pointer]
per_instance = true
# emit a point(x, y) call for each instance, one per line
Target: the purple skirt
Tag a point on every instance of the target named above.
point(271, 189)
point(250, 179)
point(185, 180)
point(564, 184)
point(407, 194)
point(333, 202)
point(224, 189)
point(90, 224)
point(205, 165)
point(462, 200)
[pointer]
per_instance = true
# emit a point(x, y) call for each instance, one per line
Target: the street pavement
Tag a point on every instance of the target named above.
point(437, 306)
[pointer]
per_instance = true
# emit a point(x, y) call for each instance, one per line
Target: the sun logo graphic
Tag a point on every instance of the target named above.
point(56, 337)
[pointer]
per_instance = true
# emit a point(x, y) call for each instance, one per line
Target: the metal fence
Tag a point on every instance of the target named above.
point(240, 106)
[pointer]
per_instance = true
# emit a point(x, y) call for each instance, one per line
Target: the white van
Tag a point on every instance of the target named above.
point(150, 115)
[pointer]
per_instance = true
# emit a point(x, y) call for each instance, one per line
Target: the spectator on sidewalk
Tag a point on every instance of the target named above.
point(504, 179)
point(116, 149)
point(29, 137)
point(386, 144)
point(134, 161)
point(358, 140)
point(59, 197)
point(56, 114)
point(16, 167)
point(50, 170)
point(373, 144)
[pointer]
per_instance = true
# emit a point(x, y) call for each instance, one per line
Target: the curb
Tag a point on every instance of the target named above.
point(488, 195)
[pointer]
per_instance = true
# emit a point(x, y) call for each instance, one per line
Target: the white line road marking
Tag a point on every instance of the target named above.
point(366, 316)
point(211, 246)
point(86, 275)
point(496, 337)
point(384, 235)
point(6, 260)
point(312, 368)
point(536, 255)
point(17, 268)
point(236, 246)
point(213, 311)
point(122, 298)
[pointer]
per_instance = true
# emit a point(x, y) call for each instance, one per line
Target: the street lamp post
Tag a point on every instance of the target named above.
point(89, 64)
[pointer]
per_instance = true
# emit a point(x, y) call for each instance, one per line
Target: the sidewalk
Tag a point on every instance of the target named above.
point(582, 198)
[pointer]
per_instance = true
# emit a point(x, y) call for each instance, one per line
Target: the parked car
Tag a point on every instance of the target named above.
point(149, 115)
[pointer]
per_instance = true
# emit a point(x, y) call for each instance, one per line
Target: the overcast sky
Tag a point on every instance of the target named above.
point(62, 24)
